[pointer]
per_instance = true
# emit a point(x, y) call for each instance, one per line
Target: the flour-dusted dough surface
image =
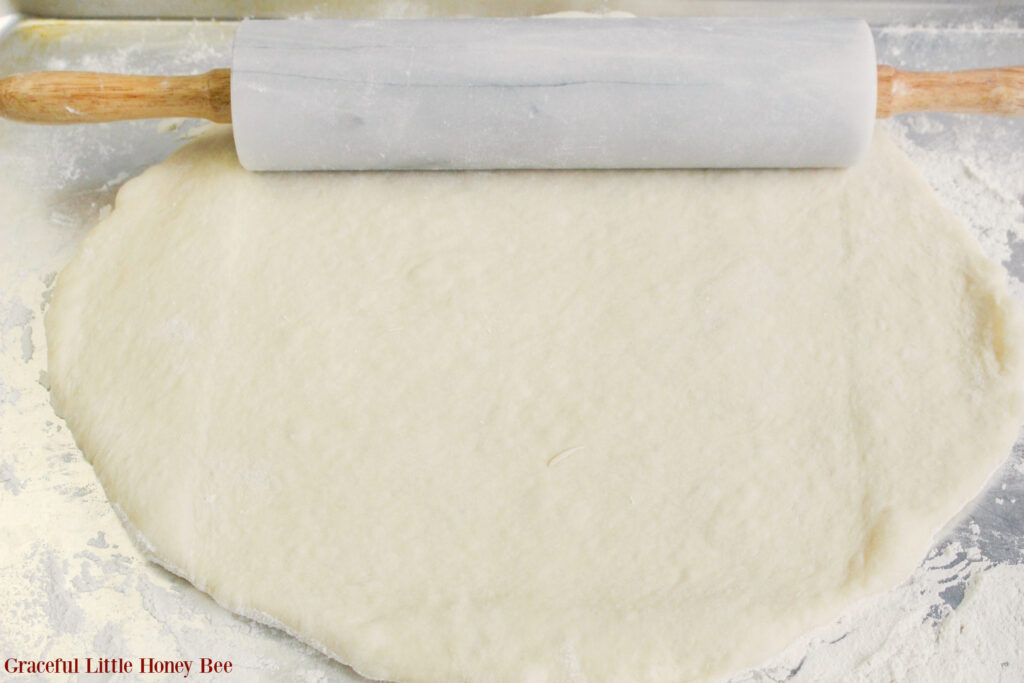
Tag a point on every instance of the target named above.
point(557, 426)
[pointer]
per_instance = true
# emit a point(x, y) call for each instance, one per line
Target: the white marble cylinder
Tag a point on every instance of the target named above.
point(552, 93)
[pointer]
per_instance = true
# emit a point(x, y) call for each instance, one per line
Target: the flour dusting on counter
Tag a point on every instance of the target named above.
point(75, 583)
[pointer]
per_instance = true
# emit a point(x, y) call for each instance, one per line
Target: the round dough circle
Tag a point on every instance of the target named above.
point(536, 426)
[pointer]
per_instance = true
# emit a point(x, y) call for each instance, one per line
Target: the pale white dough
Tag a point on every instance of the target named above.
point(536, 426)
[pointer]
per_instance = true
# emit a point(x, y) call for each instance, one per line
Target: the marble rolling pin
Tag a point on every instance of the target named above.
point(533, 93)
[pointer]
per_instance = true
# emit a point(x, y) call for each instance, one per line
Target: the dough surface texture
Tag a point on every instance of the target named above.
point(536, 426)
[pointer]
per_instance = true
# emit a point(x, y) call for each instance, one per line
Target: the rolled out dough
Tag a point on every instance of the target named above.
point(536, 426)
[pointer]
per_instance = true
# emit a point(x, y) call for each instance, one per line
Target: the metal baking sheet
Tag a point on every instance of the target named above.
point(75, 585)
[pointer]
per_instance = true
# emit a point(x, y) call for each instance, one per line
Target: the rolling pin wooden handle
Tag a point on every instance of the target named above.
point(86, 97)
point(982, 91)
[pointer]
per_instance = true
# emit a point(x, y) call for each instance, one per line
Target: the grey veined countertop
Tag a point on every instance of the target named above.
point(72, 584)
